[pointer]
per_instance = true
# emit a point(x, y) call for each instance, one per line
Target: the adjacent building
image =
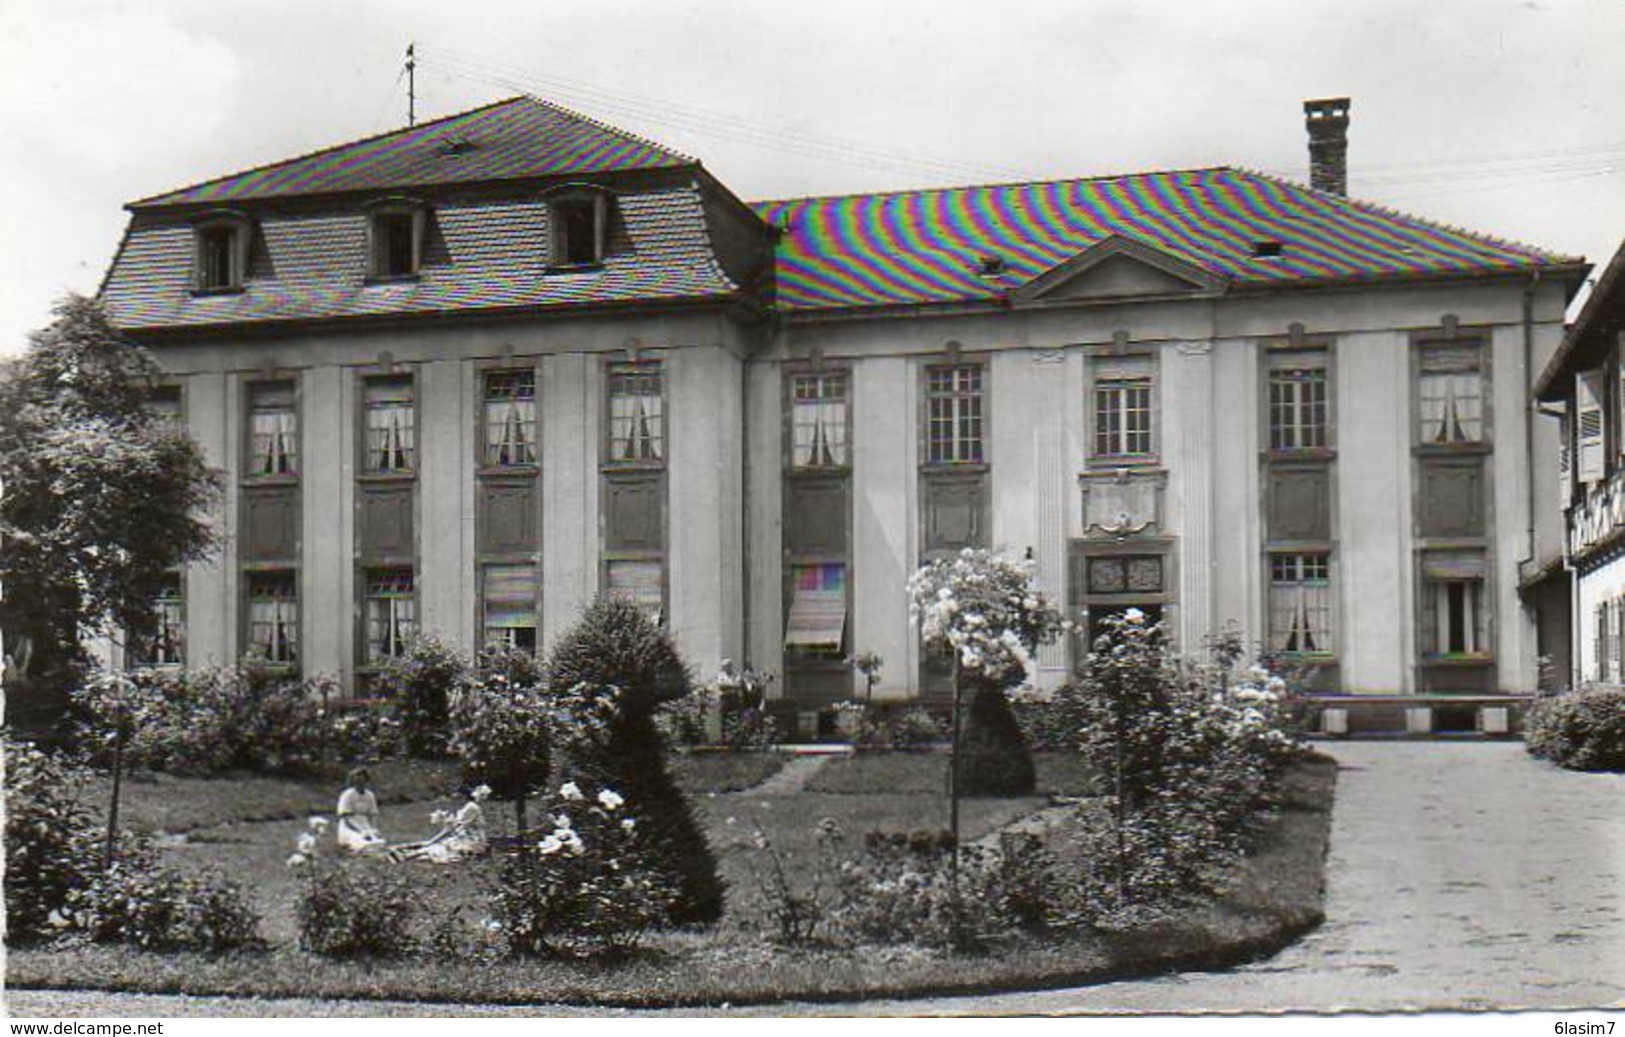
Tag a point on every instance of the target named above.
point(1583, 391)
point(464, 377)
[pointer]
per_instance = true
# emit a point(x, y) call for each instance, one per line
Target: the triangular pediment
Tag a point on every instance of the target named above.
point(1117, 267)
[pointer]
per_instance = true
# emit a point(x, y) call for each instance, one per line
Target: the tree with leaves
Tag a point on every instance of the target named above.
point(102, 498)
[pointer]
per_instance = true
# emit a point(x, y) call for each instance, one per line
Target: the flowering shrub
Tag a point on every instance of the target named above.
point(988, 610)
point(899, 890)
point(422, 682)
point(52, 848)
point(1188, 757)
point(1582, 730)
point(797, 912)
point(895, 727)
point(587, 887)
point(247, 717)
point(155, 908)
point(351, 906)
point(355, 731)
point(1017, 883)
point(684, 721)
point(502, 733)
point(747, 726)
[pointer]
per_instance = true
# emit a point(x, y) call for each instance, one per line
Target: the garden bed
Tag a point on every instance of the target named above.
point(1274, 896)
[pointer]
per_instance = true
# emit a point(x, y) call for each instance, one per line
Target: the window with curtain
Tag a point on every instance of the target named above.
point(1297, 408)
point(1450, 395)
point(391, 427)
point(510, 418)
point(391, 609)
point(818, 421)
point(273, 616)
point(637, 430)
point(273, 430)
point(1301, 603)
point(1458, 616)
point(509, 606)
point(168, 646)
point(954, 416)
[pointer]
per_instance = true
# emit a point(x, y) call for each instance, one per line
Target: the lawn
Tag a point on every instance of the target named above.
point(1274, 897)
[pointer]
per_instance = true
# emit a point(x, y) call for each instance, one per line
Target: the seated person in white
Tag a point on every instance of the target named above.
point(462, 836)
point(358, 815)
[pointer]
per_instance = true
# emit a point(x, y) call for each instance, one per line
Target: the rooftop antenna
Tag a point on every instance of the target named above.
point(411, 86)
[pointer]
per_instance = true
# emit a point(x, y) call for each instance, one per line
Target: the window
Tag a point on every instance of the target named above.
point(273, 616)
point(509, 603)
point(391, 427)
point(1455, 604)
point(1123, 417)
point(954, 417)
point(1450, 395)
point(510, 418)
point(578, 229)
point(220, 254)
point(396, 242)
point(1125, 574)
point(818, 409)
point(273, 430)
point(640, 580)
point(637, 431)
point(391, 613)
point(1297, 408)
point(164, 406)
point(1300, 603)
point(817, 619)
point(168, 645)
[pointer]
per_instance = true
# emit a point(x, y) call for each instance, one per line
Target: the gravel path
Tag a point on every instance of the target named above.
point(1463, 875)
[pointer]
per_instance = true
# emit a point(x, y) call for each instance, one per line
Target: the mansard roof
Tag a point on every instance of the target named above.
point(480, 255)
point(516, 139)
point(967, 244)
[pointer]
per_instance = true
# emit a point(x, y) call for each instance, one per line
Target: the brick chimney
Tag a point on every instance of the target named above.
point(1328, 123)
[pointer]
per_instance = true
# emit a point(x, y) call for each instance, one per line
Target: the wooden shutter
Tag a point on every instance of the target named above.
point(1589, 441)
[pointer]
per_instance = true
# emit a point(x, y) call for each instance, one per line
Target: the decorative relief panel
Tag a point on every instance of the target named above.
point(1452, 499)
point(508, 516)
point(1122, 502)
point(955, 512)
point(1299, 504)
point(815, 519)
point(386, 529)
point(270, 523)
point(632, 519)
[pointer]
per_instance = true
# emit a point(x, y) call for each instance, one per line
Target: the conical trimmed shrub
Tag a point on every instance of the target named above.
point(616, 646)
point(993, 756)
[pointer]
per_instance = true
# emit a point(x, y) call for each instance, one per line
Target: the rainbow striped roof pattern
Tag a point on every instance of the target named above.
point(520, 138)
point(934, 246)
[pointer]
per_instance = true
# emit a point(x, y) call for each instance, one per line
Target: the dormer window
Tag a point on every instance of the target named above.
point(220, 253)
point(579, 221)
point(395, 234)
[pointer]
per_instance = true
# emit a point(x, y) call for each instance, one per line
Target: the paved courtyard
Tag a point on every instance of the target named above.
point(1463, 875)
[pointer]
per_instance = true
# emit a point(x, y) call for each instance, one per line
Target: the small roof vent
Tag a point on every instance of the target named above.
point(1267, 248)
point(989, 266)
point(451, 147)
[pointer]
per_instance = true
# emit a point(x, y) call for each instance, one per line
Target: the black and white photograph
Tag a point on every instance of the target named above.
point(907, 510)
